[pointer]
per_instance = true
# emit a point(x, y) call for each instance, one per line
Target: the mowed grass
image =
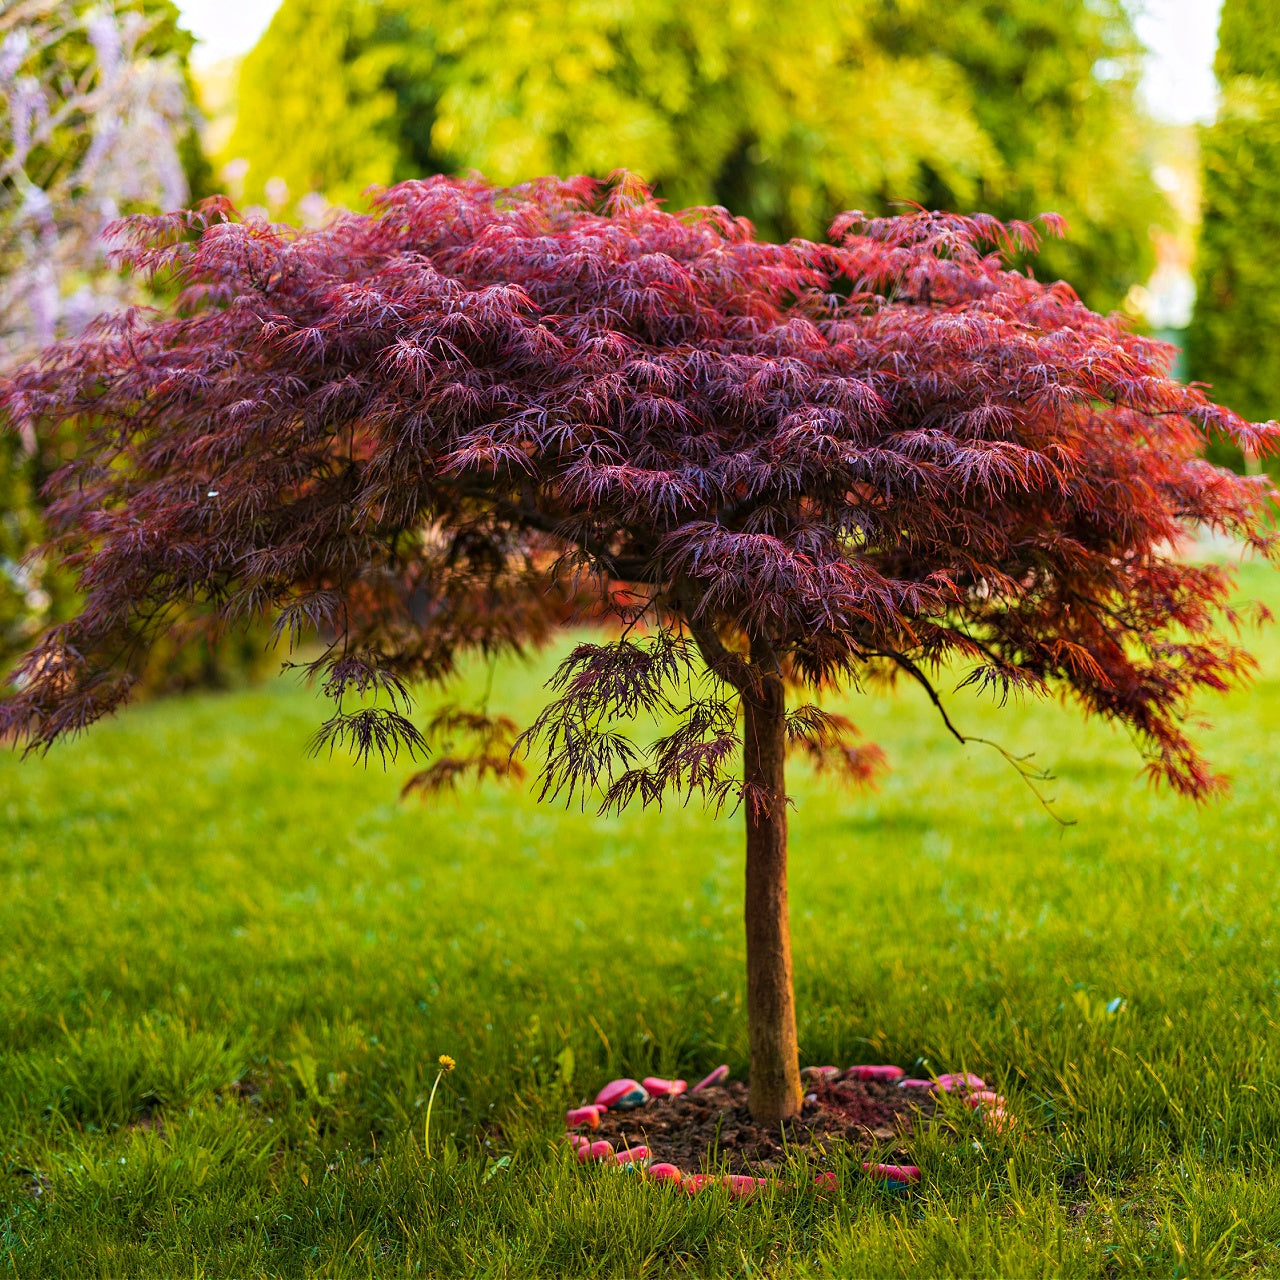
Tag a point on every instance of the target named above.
point(228, 971)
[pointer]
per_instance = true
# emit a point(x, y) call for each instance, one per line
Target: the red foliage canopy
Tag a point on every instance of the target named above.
point(470, 416)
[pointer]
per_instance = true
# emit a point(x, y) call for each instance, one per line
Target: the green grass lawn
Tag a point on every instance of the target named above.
point(227, 971)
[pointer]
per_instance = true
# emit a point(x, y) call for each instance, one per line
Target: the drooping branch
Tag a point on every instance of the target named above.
point(688, 604)
point(830, 742)
point(727, 665)
point(1030, 774)
point(472, 744)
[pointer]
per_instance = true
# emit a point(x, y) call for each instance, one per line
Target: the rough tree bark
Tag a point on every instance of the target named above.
point(771, 1014)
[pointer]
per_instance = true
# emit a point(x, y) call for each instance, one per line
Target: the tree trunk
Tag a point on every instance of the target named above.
point(771, 1013)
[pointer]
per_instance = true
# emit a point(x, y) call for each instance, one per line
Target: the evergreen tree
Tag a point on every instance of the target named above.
point(1234, 339)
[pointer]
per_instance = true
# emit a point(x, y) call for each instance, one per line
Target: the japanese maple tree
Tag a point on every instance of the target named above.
point(478, 415)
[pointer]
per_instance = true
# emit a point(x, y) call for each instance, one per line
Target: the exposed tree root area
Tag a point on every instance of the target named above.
point(713, 1128)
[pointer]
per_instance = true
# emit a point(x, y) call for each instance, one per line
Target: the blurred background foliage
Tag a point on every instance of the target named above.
point(97, 119)
point(786, 114)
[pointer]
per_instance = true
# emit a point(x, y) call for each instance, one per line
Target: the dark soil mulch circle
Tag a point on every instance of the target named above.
point(714, 1127)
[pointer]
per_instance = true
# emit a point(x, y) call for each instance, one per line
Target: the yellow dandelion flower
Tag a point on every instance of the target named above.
point(446, 1062)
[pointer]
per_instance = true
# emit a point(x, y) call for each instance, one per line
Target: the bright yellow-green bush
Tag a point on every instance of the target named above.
point(784, 113)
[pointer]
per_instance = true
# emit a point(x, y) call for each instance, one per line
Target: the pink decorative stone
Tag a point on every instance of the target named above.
point(998, 1119)
point(657, 1087)
point(820, 1073)
point(984, 1098)
point(915, 1084)
point(595, 1151)
point(577, 1141)
point(894, 1172)
point(665, 1173)
point(694, 1183)
point(622, 1095)
point(888, 1074)
point(741, 1186)
point(719, 1074)
point(827, 1181)
point(964, 1079)
point(589, 1116)
point(633, 1155)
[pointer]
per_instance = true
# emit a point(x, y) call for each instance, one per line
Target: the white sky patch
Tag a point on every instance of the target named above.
point(225, 28)
point(1181, 36)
